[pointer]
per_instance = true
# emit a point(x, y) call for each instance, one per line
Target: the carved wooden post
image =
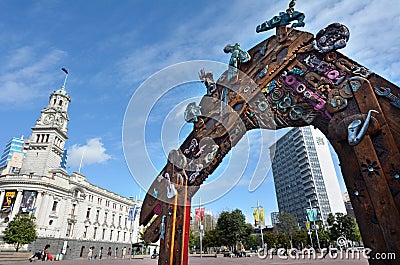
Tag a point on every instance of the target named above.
point(292, 80)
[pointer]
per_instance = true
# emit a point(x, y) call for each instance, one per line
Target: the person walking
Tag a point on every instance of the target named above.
point(330, 246)
point(101, 253)
point(123, 253)
point(109, 252)
point(90, 253)
point(116, 253)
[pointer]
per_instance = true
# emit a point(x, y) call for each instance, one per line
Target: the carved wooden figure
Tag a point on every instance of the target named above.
point(293, 79)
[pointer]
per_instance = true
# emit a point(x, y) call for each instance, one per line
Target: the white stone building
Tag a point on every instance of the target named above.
point(72, 215)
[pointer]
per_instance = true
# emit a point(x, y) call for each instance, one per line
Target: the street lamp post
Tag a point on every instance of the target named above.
point(201, 231)
point(315, 226)
point(259, 218)
point(310, 233)
point(131, 216)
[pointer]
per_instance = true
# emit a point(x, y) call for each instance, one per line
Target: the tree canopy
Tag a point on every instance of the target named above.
point(300, 238)
point(343, 225)
point(21, 230)
point(287, 225)
point(232, 227)
point(211, 239)
point(270, 239)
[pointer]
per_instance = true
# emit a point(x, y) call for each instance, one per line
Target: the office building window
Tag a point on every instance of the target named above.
point(54, 208)
point(85, 232)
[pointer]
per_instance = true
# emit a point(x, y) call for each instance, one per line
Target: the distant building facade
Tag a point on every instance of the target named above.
point(303, 172)
point(72, 214)
point(209, 222)
point(348, 205)
point(13, 155)
point(274, 218)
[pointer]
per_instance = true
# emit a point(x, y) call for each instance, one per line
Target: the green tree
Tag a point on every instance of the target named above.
point(300, 238)
point(343, 225)
point(287, 225)
point(144, 242)
point(21, 230)
point(282, 241)
point(248, 231)
point(231, 227)
point(253, 242)
point(324, 236)
point(270, 239)
point(211, 239)
point(357, 235)
point(194, 240)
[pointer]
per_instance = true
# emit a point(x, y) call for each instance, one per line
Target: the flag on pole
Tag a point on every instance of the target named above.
point(256, 217)
point(312, 214)
point(65, 70)
point(259, 219)
point(308, 225)
point(130, 214)
point(137, 208)
point(199, 212)
point(262, 219)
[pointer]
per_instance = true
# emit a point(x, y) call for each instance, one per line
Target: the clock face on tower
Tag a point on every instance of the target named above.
point(59, 120)
point(48, 119)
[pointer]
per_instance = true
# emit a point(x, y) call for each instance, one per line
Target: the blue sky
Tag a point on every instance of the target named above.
point(111, 48)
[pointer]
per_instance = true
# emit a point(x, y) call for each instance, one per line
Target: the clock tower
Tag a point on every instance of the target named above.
point(47, 142)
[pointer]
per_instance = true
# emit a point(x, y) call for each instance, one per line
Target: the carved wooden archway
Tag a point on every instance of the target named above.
point(292, 79)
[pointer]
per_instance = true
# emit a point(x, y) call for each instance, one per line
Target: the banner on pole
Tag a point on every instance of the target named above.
point(199, 212)
point(312, 215)
point(259, 220)
point(133, 212)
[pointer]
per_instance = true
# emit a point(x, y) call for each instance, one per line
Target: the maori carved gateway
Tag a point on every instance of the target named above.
point(291, 79)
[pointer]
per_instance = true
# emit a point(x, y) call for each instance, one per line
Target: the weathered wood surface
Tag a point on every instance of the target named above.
point(339, 92)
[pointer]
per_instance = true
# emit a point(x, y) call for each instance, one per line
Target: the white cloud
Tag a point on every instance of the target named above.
point(93, 152)
point(27, 73)
point(205, 35)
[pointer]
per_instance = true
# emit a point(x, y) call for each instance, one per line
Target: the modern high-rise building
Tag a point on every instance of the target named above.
point(303, 172)
point(274, 218)
point(14, 153)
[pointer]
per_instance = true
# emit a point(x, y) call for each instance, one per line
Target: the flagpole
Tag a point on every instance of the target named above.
point(201, 231)
point(259, 218)
point(133, 229)
point(65, 70)
point(80, 164)
point(259, 222)
point(315, 227)
point(65, 81)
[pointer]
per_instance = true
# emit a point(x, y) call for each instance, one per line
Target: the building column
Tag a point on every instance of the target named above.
point(38, 203)
point(43, 209)
point(2, 194)
point(17, 204)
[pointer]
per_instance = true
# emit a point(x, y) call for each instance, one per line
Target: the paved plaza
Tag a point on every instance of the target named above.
point(207, 260)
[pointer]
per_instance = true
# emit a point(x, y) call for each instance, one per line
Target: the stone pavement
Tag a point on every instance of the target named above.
point(206, 260)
